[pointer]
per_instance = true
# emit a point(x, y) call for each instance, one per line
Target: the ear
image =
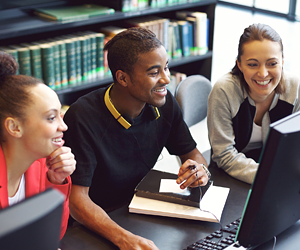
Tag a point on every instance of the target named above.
point(122, 77)
point(13, 127)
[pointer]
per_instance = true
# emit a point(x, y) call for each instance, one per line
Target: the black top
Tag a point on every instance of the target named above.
point(112, 160)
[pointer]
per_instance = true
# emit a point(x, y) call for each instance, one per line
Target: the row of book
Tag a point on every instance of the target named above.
point(134, 5)
point(77, 58)
point(62, 61)
point(74, 13)
point(187, 35)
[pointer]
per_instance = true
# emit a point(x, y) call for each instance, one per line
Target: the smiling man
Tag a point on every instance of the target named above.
point(118, 132)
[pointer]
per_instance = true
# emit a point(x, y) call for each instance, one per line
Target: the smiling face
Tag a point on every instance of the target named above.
point(150, 77)
point(261, 64)
point(42, 130)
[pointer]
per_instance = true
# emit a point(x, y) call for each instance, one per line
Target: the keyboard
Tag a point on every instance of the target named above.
point(218, 240)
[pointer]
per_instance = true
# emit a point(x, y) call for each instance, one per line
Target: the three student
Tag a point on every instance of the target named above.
point(118, 132)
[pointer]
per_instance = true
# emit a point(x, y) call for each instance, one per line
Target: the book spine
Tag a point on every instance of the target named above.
point(71, 61)
point(48, 65)
point(57, 66)
point(99, 56)
point(63, 63)
point(78, 59)
point(24, 61)
point(93, 47)
point(177, 51)
point(84, 62)
point(166, 34)
point(191, 37)
point(201, 32)
point(36, 61)
point(170, 45)
point(184, 37)
point(126, 5)
point(89, 56)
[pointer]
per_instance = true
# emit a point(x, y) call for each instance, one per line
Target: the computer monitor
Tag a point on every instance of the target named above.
point(33, 223)
point(273, 202)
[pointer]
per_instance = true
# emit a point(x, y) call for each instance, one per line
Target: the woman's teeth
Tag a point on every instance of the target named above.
point(263, 82)
point(57, 140)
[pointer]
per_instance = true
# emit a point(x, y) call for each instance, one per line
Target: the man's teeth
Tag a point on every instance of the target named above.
point(160, 90)
point(57, 140)
point(263, 82)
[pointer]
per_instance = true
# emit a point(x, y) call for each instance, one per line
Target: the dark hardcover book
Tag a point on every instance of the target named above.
point(150, 184)
point(73, 13)
point(184, 37)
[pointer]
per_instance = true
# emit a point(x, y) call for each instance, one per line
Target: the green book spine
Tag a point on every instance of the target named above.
point(99, 57)
point(36, 61)
point(89, 57)
point(78, 59)
point(84, 63)
point(48, 65)
point(63, 63)
point(93, 55)
point(57, 66)
point(56, 61)
point(71, 61)
point(24, 61)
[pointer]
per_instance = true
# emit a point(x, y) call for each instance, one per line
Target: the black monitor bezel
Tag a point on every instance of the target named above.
point(272, 205)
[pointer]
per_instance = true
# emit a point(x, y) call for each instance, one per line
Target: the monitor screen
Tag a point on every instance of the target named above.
point(33, 223)
point(273, 202)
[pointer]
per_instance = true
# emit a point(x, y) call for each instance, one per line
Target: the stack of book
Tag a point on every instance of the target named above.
point(157, 194)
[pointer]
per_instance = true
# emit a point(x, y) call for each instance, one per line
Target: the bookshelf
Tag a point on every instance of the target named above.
point(20, 25)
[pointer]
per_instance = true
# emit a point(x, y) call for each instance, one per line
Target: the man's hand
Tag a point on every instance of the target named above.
point(61, 163)
point(191, 174)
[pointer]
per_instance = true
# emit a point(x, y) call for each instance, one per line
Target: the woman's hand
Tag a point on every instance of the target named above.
point(61, 163)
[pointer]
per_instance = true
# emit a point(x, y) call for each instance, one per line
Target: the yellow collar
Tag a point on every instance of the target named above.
point(113, 110)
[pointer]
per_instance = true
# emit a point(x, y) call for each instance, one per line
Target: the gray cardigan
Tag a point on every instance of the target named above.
point(230, 117)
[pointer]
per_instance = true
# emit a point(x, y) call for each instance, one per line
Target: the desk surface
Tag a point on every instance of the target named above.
point(174, 233)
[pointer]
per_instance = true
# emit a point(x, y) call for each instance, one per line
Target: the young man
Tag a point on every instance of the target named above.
point(117, 134)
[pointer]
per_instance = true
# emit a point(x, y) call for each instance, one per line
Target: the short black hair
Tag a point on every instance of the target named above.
point(125, 47)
